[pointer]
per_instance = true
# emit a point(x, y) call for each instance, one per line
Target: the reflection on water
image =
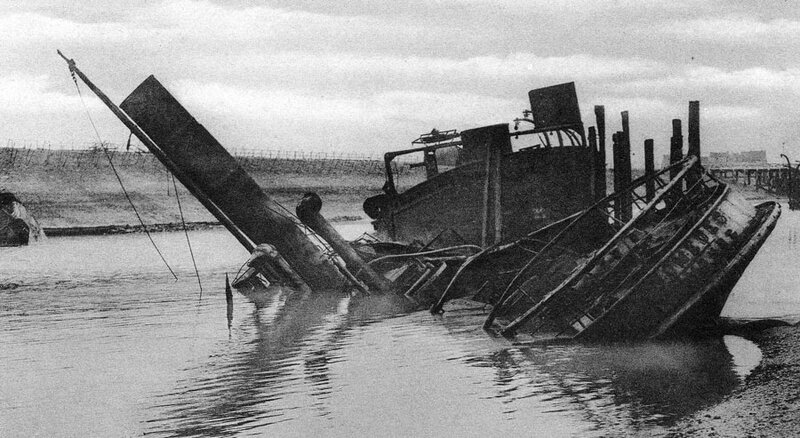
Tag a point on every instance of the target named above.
point(99, 341)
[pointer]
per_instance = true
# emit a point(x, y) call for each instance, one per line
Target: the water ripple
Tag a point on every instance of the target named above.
point(110, 333)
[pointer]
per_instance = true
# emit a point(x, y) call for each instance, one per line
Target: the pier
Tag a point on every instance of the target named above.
point(749, 168)
point(772, 177)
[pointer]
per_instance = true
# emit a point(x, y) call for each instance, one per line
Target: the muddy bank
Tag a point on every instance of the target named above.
point(124, 229)
point(767, 403)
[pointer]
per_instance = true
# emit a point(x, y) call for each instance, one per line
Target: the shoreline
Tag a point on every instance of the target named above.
point(768, 401)
point(102, 230)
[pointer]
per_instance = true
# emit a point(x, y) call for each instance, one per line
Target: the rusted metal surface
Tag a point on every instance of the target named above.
point(667, 271)
point(495, 194)
point(495, 142)
point(538, 186)
point(605, 269)
point(266, 261)
point(555, 106)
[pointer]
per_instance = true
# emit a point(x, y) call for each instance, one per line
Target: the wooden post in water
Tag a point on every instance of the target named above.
point(649, 169)
point(694, 129)
point(675, 146)
point(694, 140)
point(600, 121)
point(625, 164)
point(229, 301)
point(596, 165)
point(616, 151)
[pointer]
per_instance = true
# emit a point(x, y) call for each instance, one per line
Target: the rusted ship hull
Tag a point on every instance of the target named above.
point(667, 271)
point(709, 301)
point(686, 291)
point(497, 191)
point(539, 187)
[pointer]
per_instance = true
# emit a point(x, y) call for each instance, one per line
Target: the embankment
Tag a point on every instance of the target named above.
point(67, 189)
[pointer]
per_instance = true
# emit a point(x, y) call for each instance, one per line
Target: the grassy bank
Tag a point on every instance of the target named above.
point(78, 189)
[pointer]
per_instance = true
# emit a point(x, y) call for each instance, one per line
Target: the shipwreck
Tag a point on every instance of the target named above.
point(17, 226)
point(518, 219)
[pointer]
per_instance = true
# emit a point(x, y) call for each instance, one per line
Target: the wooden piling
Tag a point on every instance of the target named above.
point(229, 300)
point(694, 129)
point(693, 132)
point(600, 121)
point(649, 169)
point(675, 146)
point(615, 159)
point(595, 160)
point(622, 177)
point(625, 162)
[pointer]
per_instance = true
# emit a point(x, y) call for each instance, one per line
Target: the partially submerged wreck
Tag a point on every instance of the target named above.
point(667, 271)
point(17, 226)
point(496, 191)
point(527, 229)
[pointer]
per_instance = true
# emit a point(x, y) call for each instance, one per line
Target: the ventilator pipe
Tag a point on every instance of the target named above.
point(308, 211)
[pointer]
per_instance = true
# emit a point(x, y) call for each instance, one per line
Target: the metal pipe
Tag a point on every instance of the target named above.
point(308, 210)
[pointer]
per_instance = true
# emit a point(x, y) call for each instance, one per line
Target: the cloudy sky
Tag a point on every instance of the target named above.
point(369, 76)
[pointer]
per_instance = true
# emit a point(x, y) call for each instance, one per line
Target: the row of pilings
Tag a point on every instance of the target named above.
point(621, 156)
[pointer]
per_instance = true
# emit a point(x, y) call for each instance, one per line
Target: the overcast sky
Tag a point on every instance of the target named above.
point(369, 76)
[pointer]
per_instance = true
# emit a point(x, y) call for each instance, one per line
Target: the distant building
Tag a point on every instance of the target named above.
point(728, 159)
point(723, 159)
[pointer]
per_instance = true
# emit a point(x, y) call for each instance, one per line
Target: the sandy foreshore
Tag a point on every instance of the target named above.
point(768, 402)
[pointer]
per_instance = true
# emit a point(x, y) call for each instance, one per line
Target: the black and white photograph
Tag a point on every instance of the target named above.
point(424, 218)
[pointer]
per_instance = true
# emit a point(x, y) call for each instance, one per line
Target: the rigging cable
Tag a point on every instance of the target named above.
point(186, 233)
point(114, 168)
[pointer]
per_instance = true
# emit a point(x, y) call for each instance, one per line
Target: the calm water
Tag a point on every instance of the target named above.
point(98, 340)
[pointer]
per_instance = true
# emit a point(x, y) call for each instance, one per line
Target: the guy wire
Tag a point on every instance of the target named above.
point(114, 168)
point(186, 233)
